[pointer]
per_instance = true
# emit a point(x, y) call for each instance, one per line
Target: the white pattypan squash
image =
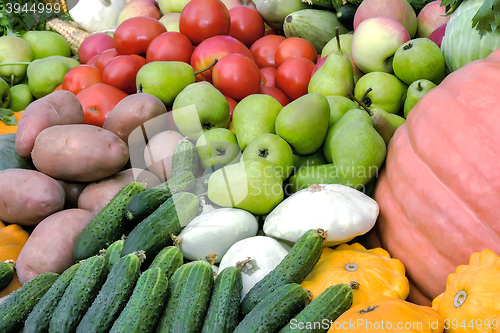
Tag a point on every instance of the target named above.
point(96, 15)
point(341, 211)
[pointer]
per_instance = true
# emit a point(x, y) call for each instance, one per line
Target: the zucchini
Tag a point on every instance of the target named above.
point(275, 310)
point(108, 226)
point(113, 295)
point(296, 265)
point(224, 309)
point(322, 311)
point(17, 306)
point(189, 293)
point(146, 202)
point(6, 273)
point(39, 318)
point(9, 158)
point(168, 260)
point(345, 15)
point(113, 254)
point(184, 158)
point(155, 232)
point(148, 299)
point(79, 295)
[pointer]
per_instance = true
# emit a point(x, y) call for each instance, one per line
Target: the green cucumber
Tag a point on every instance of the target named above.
point(318, 316)
point(17, 306)
point(275, 310)
point(79, 295)
point(155, 232)
point(168, 260)
point(148, 299)
point(224, 309)
point(39, 318)
point(113, 295)
point(113, 254)
point(6, 273)
point(296, 265)
point(108, 226)
point(189, 293)
point(184, 158)
point(146, 202)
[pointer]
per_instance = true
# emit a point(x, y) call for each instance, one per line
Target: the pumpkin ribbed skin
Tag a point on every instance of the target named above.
point(439, 193)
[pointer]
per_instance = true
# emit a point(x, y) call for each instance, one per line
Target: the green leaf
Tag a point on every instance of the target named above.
point(7, 117)
point(487, 19)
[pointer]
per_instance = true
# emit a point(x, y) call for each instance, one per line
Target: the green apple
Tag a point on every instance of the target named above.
point(169, 6)
point(21, 97)
point(14, 49)
point(339, 105)
point(331, 46)
point(47, 43)
point(217, 146)
point(416, 91)
point(274, 149)
point(388, 92)
point(304, 161)
point(419, 58)
point(5, 96)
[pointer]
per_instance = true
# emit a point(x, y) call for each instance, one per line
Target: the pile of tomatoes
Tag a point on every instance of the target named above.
point(251, 58)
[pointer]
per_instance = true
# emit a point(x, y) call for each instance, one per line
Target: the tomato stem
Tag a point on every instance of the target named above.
point(207, 68)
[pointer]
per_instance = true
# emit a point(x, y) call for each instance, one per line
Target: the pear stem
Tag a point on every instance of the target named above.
point(207, 68)
point(361, 103)
point(15, 63)
point(338, 40)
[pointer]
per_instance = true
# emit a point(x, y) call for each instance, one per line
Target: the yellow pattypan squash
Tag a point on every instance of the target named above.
point(389, 315)
point(370, 273)
point(471, 301)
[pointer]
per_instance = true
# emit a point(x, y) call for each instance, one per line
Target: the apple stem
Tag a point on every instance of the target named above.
point(419, 86)
point(338, 40)
point(14, 63)
point(361, 103)
point(207, 68)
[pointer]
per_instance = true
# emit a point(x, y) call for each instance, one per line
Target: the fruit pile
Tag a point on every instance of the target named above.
point(241, 166)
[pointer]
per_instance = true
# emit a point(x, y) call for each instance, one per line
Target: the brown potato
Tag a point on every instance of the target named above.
point(50, 246)
point(98, 194)
point(58, 108)
point(79, 153)
point(73, 191)
point(28, 196)
point(159, 151)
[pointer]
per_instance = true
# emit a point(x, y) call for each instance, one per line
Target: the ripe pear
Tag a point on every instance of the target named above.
point(254, 115)
point(198, 108)
point(47, 43)
point(44, 75)
point(252, 184)
point(385, 123)
point(332, 45)
point(339, 105)
point(14, 49)
point(21, 97)
point(415, 92)
point(358, 152)
point(303, 123)
point(335, 77)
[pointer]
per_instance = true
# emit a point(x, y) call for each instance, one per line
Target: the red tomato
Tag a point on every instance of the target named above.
point(170, 46)
point(142, 59)
point(104, 58)
point(295, 47)
point(293, 77)
point(134, 35)
point(81, 77)
point(264, 48)
point(232, 105)
point(92, 60)
point(247, 25)
point(97, 101)
point(215, 47)
point(202, 19)
point(267, 75)
point(276, 93)
point(268, 32)
point(121, 73)
point(236, 76)
point(93, 45)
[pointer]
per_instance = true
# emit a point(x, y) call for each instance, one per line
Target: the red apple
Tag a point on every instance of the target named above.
point(437, 35)
point(234, 3)
point(94, 45)
point(140, 8)
point(431, 17)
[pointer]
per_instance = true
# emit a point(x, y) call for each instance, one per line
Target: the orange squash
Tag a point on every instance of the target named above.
point(4, 129)
point(471, 298)
point(371, 273)
point(12, 239)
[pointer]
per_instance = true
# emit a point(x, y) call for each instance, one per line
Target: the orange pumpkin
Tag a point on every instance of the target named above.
point(4, 129)
point(439, 193)
point(12, 240)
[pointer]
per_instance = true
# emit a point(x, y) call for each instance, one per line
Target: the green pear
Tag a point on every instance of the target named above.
point(274, 149)
point(21, 97)
point(217, 146)
point(14, 49)
point(303, 123)
point(388, 92)
point(332, 45)
point(44, 75)
point(385, 123)
point(198, 108)
point(169, 6)
point(253, 185)
point(301, 161)
point(350, 116)
point(358, 152)
point(47, 43)
point(72, 63)
point(339, 105)
point(5, 94)
point(254, 115)
point(335, 76)
point(415, 92)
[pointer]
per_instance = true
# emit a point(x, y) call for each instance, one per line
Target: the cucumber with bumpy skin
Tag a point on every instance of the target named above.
point(296, 265)
point(17, 306)
point(6, 273)
point(168, 260)
point(184, 158)
point(113, 253)
point(39, 318)
point(109, 224)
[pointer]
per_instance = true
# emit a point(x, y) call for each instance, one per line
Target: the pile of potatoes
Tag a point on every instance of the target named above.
point(79, 169)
